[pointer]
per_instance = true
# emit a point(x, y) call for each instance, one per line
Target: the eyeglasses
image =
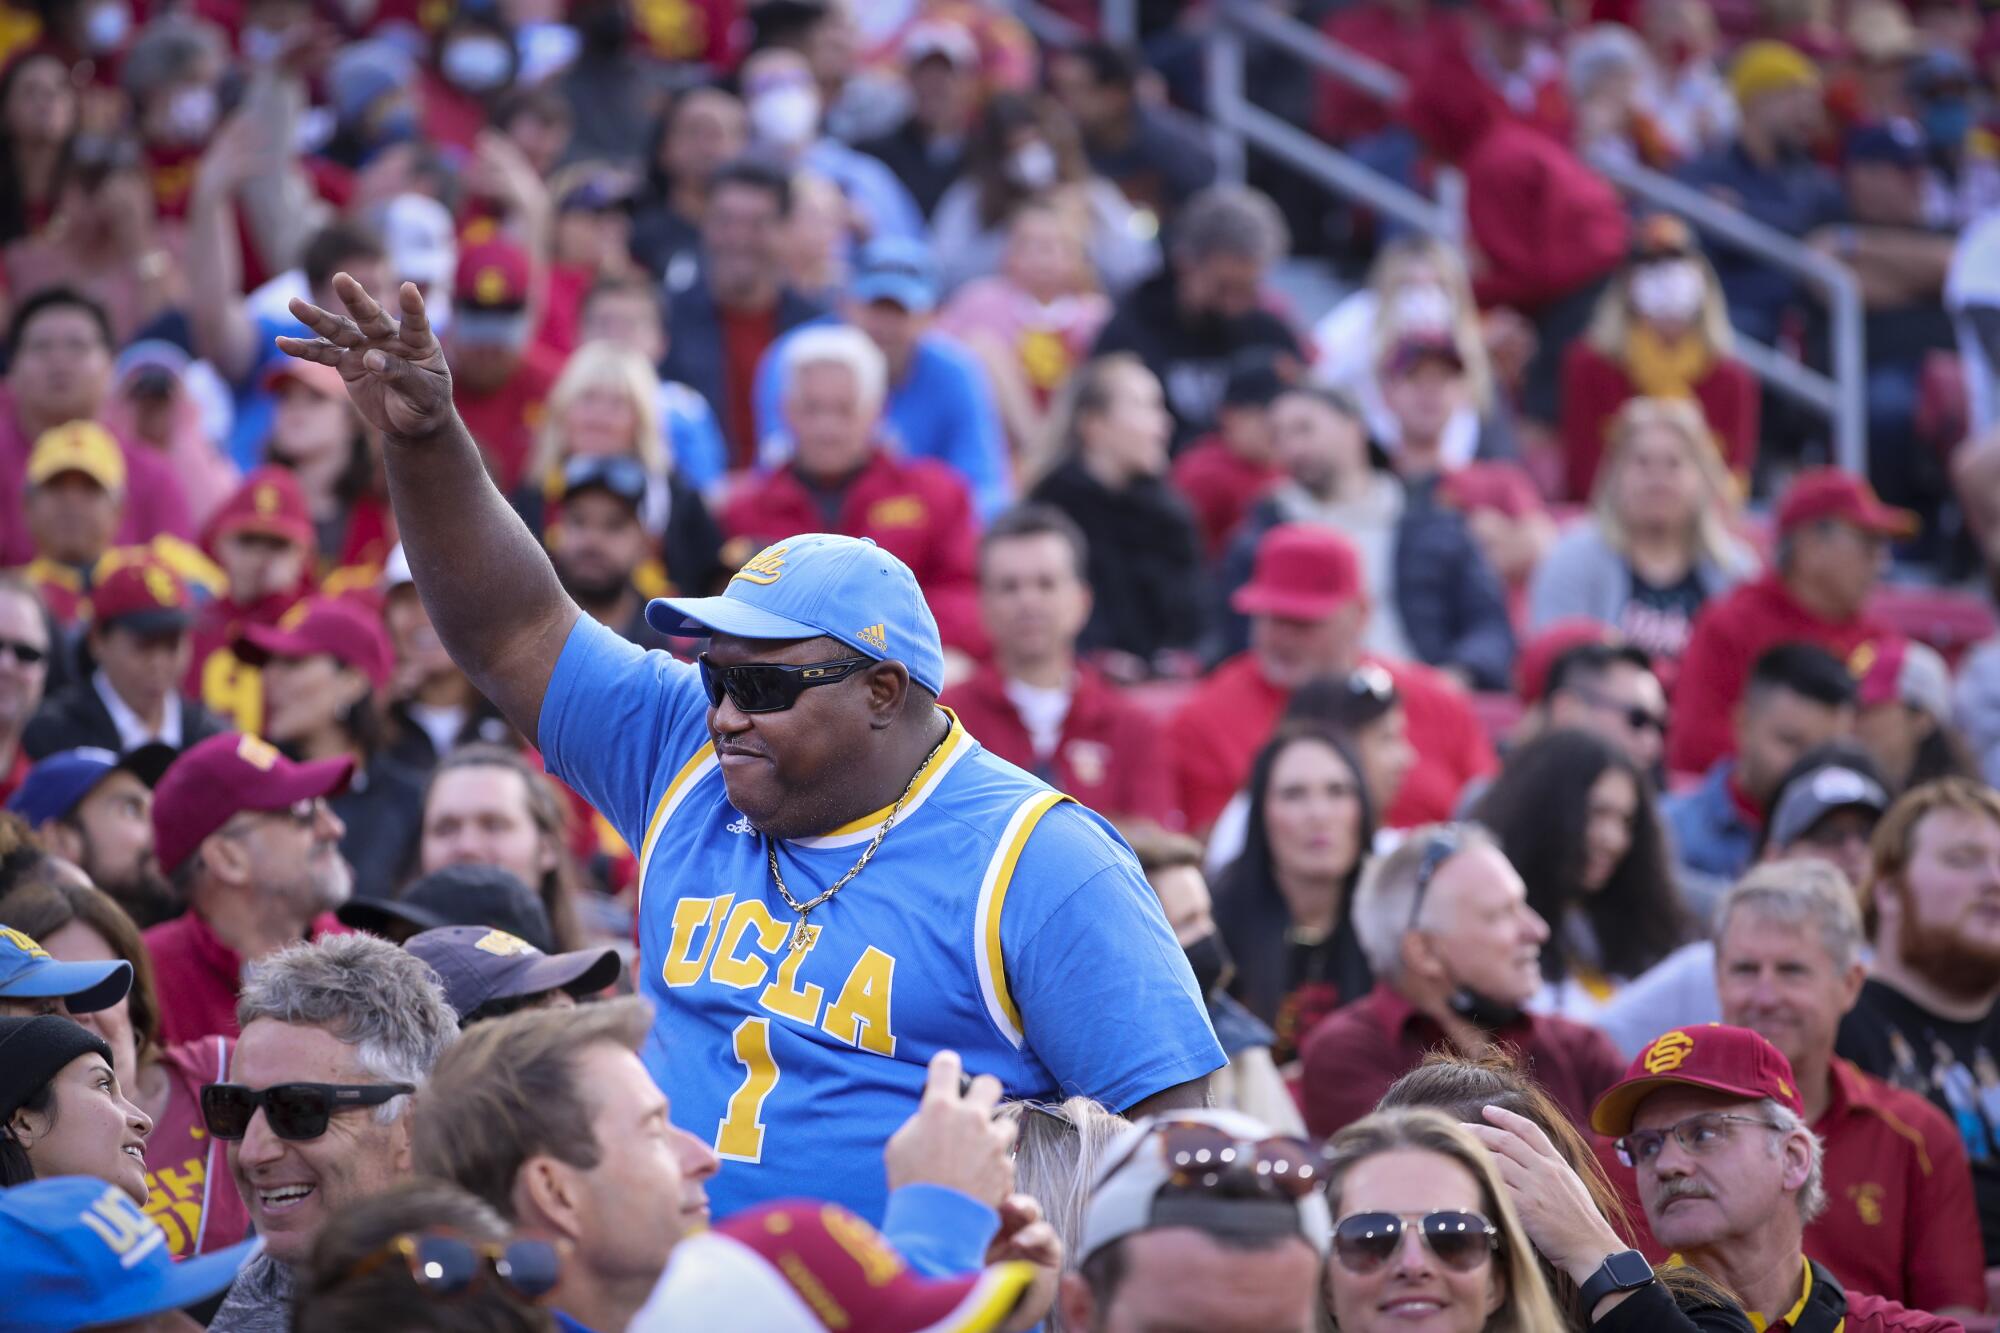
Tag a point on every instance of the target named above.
point(1441, 848)
point(444, 1265)
point(1364, 1242)
point(1201, 1156)
point(27, 654)
point(1635, 716)
point(304, 812)
point(769, 687)
point(1699, 1134)
point(295, 1111)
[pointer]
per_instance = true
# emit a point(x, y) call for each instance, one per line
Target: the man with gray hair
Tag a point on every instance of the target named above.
point(1188, 323)
point(1710, 1120)
point(1788, 967)
point(336, 1036)
point(842, 478)
point(1456, 952)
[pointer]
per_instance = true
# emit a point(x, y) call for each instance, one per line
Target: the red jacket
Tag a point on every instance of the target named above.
point(1341, 111)
point(1594, 387)
point(199, 976)
point(503, 422)
point(1899, 1198)
point(1219, 486)
point(1109, 755)
point(1543, 224)
point(1729, 635)
point(917, 509)
point(1219, 730)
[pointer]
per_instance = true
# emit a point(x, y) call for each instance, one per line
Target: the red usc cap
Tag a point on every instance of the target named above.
point(226, 774)
point(1724, 1059)
point(1303, 572)
point(338, 627)
point(1828, 492)
point(268, 502)
point(1539, 654)
point(142, 595)
point(812, 1267)
point(492, 274)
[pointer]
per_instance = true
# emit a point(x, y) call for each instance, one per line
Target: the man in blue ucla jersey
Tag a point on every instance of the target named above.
point(837, 881)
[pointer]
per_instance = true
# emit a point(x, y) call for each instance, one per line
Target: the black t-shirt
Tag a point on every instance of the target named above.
point(1659, 617)
point(1955, 1064)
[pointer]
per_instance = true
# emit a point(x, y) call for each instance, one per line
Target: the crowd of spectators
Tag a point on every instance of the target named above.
point(1571, 792)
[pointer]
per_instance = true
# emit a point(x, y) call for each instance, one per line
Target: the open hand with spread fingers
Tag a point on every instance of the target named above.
point(395, 371)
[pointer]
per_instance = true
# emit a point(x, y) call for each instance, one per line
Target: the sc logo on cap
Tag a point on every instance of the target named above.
point(1669, 1052)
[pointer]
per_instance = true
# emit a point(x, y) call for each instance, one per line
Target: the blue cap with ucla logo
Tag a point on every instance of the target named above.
point(78, 1253)
point(28, 973)
point(846, 588)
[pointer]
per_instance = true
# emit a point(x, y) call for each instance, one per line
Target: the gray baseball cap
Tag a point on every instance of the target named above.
point(1813, 796)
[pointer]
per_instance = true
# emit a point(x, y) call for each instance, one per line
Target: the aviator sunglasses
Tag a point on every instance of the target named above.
point(1364, 1242)
point(444, 1265)
point(769, 687)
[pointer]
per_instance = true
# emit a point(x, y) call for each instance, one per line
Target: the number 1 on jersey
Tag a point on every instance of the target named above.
point(740, 1136)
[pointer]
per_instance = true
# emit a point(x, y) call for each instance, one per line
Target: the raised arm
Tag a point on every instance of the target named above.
point(485, 581)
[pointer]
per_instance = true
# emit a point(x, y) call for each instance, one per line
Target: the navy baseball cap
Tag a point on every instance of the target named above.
point(457, 895)
point(479, 966)
point(78, 1253)
point(898, 269)
point(58, 783)
point(846, 588)
point(28, 973)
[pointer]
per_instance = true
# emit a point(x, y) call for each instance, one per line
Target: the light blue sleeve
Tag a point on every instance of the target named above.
point(888, 204)
point(941, 1232)
point(1107, 1001)
point(693, 437)
point(981, 451)
point(613, 715)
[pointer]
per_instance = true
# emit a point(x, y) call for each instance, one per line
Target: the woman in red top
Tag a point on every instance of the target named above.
point(189, 1191)
point(1661, 331)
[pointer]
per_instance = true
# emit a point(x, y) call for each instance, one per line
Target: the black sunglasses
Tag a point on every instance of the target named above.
point(1441, 848)
point(27, 654)
point(1364, 1242)
point(443, 1265)
point(768, 687)
point(1636, 717)
point(293, 1110)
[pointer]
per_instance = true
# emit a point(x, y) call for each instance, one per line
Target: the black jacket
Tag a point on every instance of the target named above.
point(1191, 356)
point(1145, 560)
point(925, 173)
point(74, 716)
point(383, 809)
point(695, 352)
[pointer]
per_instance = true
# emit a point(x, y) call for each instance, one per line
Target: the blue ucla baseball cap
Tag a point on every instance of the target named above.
point(78, 1253)
point(56, 784)
point(28, 973)
point(846, 588)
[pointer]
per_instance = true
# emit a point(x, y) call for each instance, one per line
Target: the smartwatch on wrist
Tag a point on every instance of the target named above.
point(1626, 1270)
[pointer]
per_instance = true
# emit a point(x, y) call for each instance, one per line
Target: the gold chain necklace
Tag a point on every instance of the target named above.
point(803, 935)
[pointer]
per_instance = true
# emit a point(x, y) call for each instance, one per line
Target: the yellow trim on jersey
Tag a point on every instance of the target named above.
point(992, 900)
point(953, 748)
point(699, 763)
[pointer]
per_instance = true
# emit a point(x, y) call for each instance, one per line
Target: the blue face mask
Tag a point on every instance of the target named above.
point(1946, 123)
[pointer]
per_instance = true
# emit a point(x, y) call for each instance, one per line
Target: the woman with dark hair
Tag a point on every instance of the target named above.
point(318, 437)
point(62, 1112)
point(1027, 148)
point(1283, 906)
point(702, 128)
point(79, 924)
point(1462, 1089)
point(322, 672)
point(1577, 819)
point(38, 115)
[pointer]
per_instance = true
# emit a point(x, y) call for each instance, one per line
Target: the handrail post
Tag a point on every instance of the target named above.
point(1850, 418)
point(1224, 60)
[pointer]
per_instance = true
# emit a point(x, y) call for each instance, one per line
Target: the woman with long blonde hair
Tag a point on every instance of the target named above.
point(1661, 330)
point(1421, 1215)
point(1659, 541)
point(605, 406)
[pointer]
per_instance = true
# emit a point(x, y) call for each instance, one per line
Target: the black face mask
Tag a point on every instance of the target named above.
point(1213, 967)
point(1483, 1011)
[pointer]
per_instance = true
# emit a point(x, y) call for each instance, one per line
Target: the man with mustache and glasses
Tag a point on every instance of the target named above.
point(1900, 1216)
point(1927, 1018)
point(1729, 1175)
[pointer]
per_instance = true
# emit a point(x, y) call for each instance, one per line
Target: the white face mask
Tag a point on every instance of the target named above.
point(477, 64)
point(1422, 306)
point(1033, 166)
point(106, 28)
point(191, 114)
point(1672, 291)
point(785, 116)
